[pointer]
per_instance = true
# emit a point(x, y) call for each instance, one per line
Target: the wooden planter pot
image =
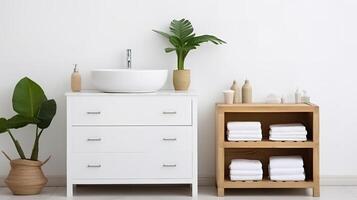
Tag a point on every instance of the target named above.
point(181, 79)
point(26, 177)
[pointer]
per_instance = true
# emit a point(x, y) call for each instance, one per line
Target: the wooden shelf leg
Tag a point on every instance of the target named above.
point(316, 191)
point(220, 192)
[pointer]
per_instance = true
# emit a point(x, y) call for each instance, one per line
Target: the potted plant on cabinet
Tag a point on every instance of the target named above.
point(32, 107)
point(183, 41)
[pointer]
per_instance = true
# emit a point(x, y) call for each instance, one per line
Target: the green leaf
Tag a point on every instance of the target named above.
point(166, 35)
point(3, 125)
point(168, 50)
point(47, 112)
point(196, 41)
point(27, 98)
point(18, 121)
point(181, 28)
point(175, 41)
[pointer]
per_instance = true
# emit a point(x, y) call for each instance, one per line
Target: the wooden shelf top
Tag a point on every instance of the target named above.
point(262, 107)
point(269, 144)
point(267, 184)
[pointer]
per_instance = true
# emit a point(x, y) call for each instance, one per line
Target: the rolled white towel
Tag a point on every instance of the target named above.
point(286, 162)
point(288, 127)
point(237, 172)
point(286, 171)
point(296, 177)
point(243, 125)
point(284, 133)
point(245, 164)
point(246, 178)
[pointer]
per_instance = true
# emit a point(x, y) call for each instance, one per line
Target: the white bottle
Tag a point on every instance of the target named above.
point(297, 96)
point(305, 98)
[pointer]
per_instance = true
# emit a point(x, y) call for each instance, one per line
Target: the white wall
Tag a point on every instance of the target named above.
point(278, 44)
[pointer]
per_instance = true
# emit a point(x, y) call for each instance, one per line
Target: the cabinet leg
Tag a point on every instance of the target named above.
point(194, 190)
point(220, 192)
point(316, 191)
point(69, 190)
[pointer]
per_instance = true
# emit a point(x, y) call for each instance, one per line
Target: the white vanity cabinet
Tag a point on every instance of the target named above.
point(118, 138)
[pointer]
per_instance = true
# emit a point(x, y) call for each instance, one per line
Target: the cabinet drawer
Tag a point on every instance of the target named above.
point(140, 139)
point(132, 165)
point(130, 110)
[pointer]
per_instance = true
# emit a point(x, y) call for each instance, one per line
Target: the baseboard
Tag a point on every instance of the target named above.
point(328, 180)
point(335, 180)
point(206, 181)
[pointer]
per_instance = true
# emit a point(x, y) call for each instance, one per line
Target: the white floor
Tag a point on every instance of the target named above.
point(181, 193)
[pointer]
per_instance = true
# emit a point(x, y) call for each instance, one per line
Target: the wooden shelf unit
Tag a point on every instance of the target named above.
point(267, 114)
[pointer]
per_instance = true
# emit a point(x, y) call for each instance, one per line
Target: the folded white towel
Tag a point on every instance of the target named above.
point(286, 162)
point(299, 139)
point(284, 133)
point(246, 178)
point(237, 172)
point(233, 139)
point(286, 171)
point(244, 132)
point(297, 177)
point(287, 127)
point(243, 125)
point(245, 164)
point(245, 135)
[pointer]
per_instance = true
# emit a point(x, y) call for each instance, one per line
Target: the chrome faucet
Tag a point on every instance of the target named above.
point(128, 58)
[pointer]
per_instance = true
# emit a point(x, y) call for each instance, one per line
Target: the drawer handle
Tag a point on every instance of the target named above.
point(94, 139)
point(94, 166)
point(94, 113)
point(169, 165)
point(169, 139)
point(169, 112)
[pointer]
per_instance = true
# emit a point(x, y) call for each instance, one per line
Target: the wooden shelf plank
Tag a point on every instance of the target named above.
point(269, 144)
point(267, 184)
point(266, 107)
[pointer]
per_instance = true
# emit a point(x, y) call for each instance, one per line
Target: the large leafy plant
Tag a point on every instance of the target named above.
point(184, 40)
point(32, 107)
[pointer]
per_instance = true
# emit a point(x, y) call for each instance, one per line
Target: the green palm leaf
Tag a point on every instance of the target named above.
point(181, 28)
point(162, 33)
point(196, 41)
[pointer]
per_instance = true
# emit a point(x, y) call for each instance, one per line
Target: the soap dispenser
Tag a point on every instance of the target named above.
point(237, 93)
point(76, 80)
point(247, 92)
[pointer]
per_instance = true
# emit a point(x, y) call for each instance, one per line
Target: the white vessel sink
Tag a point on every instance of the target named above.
point(128, 80)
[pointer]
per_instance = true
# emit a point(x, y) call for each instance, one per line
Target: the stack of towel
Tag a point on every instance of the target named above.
point(246, 170)
point(287, 132)
point(244, 131)
point(286, 168)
